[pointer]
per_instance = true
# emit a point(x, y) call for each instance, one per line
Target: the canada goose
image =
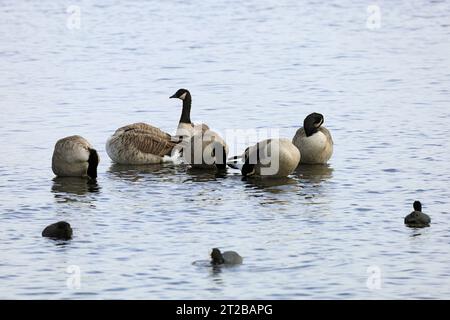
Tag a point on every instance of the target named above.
point(227, 257)
point(202, 147)
point(270, 158)
point(185, 126)
point(59, 230)
point(205, 150)
point(417, 219)
point(313, 140)
point(139, 143)
point(75, 157)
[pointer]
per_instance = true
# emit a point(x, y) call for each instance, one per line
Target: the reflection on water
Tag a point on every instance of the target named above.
point(314, 173)
point(205, 175)
point(272, 191)
point(60, 243)
point(214, 269)
point(272, 185)
point(65, 188)
point(134, 173)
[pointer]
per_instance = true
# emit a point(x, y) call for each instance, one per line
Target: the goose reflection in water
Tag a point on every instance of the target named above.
point(205, 175)
point(314, 173)
point(272, 191)
point(69, 188)
point(273, 185)
point(135, 173)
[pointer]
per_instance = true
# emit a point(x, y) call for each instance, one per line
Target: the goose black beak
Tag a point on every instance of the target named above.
point(173, 96)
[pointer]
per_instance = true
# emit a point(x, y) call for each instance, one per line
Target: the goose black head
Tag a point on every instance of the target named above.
point(217, 257)
point(417, 206)
point(181, 94)
point(312, 123)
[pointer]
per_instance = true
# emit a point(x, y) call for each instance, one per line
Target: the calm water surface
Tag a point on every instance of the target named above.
point(259, 64)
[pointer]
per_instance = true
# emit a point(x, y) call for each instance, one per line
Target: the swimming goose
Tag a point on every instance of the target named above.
point(313, 140)
point(227, 257)
point(58, 230)
point(74, 156)
point(270, 158)
point(417, 219)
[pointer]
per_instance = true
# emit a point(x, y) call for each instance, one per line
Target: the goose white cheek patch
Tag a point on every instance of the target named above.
point(317, 125)
point(183, 96)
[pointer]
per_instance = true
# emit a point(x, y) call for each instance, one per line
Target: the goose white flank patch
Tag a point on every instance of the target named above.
point(74, 156)
point(313, 140)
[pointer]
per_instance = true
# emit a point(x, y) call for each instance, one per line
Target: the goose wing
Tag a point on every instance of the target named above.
point(143, 127)
point(148, 142)
point(146, 139)
point(327, 134)
point(203, 127)
point(298, 135)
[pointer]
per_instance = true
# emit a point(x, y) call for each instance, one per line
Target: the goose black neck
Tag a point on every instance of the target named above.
point(92, 164)
point(310, 128)
point(186, 113)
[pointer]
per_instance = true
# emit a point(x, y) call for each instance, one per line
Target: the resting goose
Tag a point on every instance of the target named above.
point(201, 147)
point(417, 219)
point(139, 143)
point(313, 140)
point(227, 257)
point(74, 156)
point(205, 150)
point(270, 158)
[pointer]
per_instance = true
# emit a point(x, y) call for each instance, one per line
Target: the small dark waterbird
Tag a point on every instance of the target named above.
point(227, 257)
point(417, 219)
point(60, 230)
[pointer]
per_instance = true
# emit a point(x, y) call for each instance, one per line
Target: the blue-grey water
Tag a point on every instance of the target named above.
point(325, 232)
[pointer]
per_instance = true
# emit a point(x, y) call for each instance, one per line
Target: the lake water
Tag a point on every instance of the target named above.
point(325, 232)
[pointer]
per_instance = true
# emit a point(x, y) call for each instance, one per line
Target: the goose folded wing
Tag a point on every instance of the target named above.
point(327, 134)
point(143, 127)
point(149, 143)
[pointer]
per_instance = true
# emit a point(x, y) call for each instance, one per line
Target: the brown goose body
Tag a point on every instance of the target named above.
point(316, 149)
point(271, 158)
point(314, 141)
point(205, 149)
point(74, 156)
point(139, 143)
